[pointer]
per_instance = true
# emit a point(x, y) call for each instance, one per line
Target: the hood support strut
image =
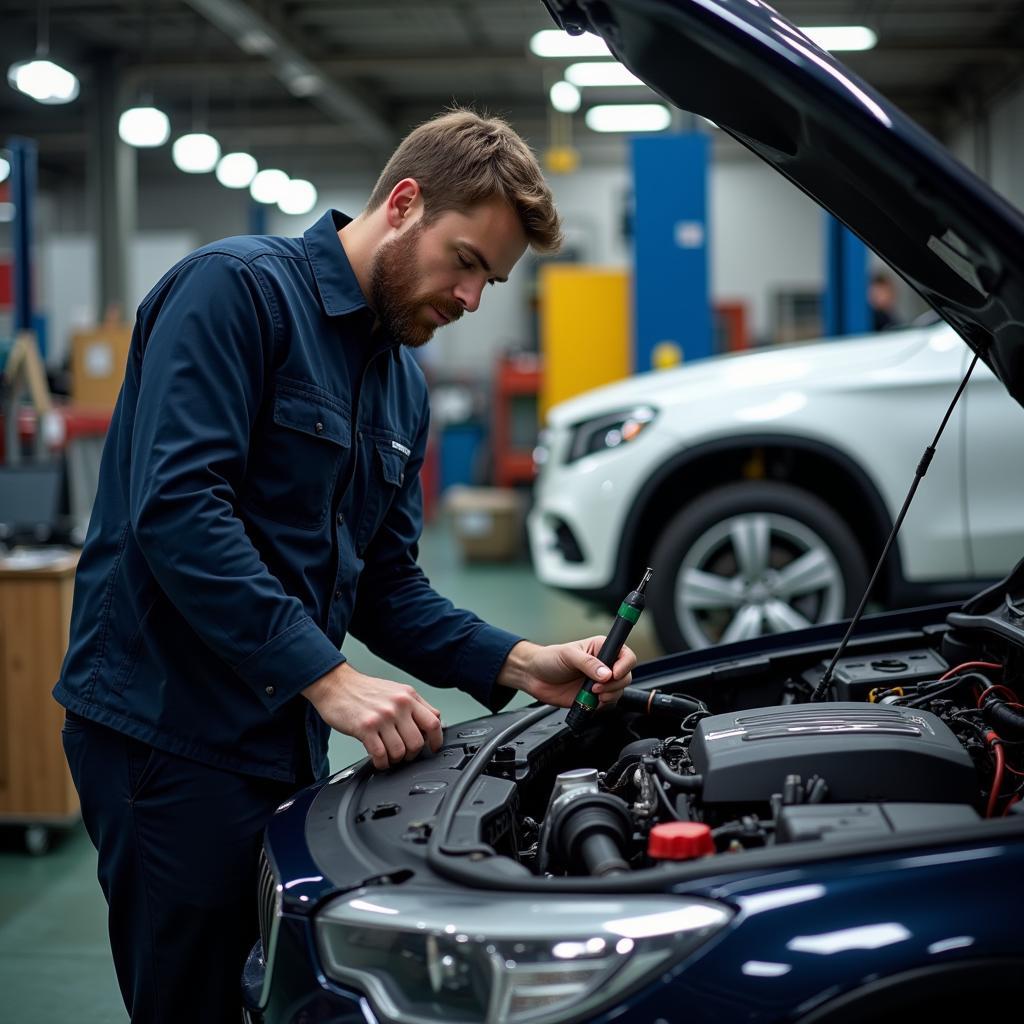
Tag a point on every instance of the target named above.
point(922, 467)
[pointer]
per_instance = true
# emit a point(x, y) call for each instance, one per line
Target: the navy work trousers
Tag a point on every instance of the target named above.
point(178, 845)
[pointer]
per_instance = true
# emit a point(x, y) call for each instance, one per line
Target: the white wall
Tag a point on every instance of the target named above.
point(766, 236)
point(1007, 147)
point(66, 266)
point(994, 149)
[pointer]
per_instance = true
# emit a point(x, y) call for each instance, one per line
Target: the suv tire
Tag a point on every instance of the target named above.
point(749, 559)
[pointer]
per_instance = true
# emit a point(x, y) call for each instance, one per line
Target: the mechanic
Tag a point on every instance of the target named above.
point(259, 499)
point(882, 301)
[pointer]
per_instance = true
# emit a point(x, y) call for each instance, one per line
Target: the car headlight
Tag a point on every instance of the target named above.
point(541, 451)
point(424, 957)
point(606, 432)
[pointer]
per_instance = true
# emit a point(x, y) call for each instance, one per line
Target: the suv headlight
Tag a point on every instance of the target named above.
point(425, 957)
point(609, 431)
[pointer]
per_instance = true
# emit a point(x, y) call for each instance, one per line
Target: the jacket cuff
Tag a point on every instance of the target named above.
point(479, 662)
point(287, 664)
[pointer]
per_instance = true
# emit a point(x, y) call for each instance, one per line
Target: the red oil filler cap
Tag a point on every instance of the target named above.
point(679, 840)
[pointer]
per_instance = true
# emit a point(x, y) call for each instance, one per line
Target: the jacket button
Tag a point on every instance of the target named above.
point(319, 428)
point(270, 691)
point(401, 478)
point(337, 594)
point(341, 518)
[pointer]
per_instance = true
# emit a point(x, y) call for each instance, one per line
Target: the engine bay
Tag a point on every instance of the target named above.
point(909, 737)
point(712, 760)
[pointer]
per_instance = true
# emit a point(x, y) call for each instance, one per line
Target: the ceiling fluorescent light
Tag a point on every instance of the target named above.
point(236, 170)
point(553, 42)
point(842, 37)
point(268, 186)
point(565, 98)
point(43, 80)
point(592, 73)
point(628, 117)
point(5, 169)
point(144, 127)
point(298, 197)
point(195, 153)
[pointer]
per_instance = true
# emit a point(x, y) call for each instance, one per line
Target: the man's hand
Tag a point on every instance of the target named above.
point(391, 720)
point(554, 674)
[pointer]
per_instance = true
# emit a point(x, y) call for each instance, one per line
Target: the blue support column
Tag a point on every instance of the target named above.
point(23, 194)
point(671, 301)
point(845, 307)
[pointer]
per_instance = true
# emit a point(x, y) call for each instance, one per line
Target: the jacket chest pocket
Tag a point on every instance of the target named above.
point(295, 461)
point(386, 477)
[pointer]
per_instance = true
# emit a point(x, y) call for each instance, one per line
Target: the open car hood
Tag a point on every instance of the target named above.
point(759, 78)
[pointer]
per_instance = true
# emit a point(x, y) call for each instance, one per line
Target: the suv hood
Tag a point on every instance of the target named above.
point(742, 65)
point(771, 369)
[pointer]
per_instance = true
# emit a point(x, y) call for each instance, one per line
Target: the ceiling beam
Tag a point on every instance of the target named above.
point(255, 33)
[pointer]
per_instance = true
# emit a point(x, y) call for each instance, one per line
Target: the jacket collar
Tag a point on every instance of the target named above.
point(335, 279)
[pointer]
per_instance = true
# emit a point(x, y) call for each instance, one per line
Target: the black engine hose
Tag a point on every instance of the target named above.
point(1006, 721)
point(630, 754)
point(650, 702)
point(685, 783)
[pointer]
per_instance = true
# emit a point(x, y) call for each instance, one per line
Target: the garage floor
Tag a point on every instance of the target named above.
point(54, 960)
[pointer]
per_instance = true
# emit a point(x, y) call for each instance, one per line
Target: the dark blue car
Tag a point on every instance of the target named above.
point(792, 828)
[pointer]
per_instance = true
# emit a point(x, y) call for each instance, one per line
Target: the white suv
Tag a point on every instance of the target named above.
point(761, 487)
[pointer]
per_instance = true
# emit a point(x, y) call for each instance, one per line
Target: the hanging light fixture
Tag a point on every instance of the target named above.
point(268, 186)
point(628, 117)
point(297, 197)
point(195, 153)
point(236, 170)
point(565, 97)
point(41, 78)
point(144, 127)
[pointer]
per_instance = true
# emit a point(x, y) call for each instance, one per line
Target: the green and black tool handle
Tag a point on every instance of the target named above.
point(586, 702)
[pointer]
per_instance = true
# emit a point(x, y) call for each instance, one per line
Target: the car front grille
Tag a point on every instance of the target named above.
point(267, 900)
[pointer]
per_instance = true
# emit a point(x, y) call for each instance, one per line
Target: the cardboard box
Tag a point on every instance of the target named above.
point(98, 360)
point(487, 521)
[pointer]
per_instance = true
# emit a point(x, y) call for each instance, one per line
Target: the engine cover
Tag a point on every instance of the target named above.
point(863, 751)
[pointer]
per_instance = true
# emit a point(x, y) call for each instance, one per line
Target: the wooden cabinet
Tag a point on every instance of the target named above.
point(35, 615)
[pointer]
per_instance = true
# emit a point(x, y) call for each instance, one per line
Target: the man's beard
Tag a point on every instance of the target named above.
point(393, 279)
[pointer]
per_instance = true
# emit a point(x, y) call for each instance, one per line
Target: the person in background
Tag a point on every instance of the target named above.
point(259, 500)
point(882, 300)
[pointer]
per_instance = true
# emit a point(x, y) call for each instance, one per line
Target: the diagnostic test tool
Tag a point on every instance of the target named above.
point(586, 702)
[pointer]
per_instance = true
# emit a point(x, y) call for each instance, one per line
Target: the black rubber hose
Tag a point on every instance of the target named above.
point(631, 754)
point(1006, 721)
point(593, 829)
point(685, 783)
point(650, 702)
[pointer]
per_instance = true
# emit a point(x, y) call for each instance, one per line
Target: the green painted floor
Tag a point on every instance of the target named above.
point(54, 959)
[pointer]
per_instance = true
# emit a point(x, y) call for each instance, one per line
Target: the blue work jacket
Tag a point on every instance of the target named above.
point(259, 499)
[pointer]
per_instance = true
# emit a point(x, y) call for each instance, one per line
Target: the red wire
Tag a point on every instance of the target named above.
point(1006, 809)
point(970, 664)
point(1002, 689)
point(997, 780)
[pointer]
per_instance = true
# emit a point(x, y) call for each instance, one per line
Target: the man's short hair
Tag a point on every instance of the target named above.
point(461, 158)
